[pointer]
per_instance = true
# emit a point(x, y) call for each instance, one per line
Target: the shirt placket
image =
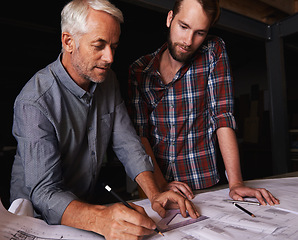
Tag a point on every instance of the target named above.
point(91, 136)
point(172, 122)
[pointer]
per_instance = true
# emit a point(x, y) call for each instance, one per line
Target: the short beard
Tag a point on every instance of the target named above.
point(179, 58)
point(171, 47)
point(82, 70)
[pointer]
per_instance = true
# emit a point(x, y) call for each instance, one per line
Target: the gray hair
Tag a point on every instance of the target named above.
point(74, 15)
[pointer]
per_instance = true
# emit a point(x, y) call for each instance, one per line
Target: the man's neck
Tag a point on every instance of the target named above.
point(168, 66)
point(66, 62)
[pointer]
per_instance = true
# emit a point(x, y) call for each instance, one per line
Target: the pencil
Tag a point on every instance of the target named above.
point(244, 210)
point(109, 189)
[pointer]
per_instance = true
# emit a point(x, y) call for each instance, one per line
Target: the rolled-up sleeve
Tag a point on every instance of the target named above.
point(39, 156)
point(220, 89)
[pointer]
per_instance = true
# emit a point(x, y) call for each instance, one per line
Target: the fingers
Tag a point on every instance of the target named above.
point(125, 230)
point(125, 223)
point(159, 208)
point(187, 206)
point(137, 217)
point(262, 195)
point(134, 230)
point(181, 188)
point(192, 211)
point(235, 196)
point(171, 199)
point(275, 200)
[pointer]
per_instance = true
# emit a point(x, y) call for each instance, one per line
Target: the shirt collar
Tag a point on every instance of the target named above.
point(68, 82)
point(153, 66)
point(154, 63)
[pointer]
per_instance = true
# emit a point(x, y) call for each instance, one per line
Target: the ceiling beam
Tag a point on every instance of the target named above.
point(289, 6)
point(235, 22)
point(229, 20)
point(157, 5)
point(254, 9)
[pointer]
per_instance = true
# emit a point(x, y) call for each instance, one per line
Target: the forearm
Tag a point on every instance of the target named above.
point(230, 153)
point(113, 222)
point(83, 216)
point(148, 183)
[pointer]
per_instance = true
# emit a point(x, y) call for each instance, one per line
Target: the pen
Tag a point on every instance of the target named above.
point(244, 202)
point(109, 189)
point(244, 210)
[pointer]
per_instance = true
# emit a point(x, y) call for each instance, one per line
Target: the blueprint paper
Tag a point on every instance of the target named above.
point(220, 220)
point(225, 222)
point(16, 227)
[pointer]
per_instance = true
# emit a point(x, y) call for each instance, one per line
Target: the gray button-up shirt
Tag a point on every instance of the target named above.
point(62, 133)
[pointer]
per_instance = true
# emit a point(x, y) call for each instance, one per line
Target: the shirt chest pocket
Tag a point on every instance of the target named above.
point(105, 126)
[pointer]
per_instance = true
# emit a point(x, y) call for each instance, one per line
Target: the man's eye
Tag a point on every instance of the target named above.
point(98, 47)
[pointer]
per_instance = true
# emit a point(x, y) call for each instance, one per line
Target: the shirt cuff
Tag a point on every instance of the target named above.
point(224, 120)
point(141, 166)
point(53, 209)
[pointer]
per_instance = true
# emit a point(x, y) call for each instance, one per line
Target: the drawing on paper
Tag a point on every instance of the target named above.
point(21, 235)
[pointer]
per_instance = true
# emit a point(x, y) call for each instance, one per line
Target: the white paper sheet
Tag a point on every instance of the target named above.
point(226, 222)
point(222, 220)
point(16, 227)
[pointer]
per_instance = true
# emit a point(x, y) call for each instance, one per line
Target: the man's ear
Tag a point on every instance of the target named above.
point(169, 18)
point(68, 42)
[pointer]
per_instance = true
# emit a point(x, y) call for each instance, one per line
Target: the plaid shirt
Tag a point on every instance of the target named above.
point(180, 118)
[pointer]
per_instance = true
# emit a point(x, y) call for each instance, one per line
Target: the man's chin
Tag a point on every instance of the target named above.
point(98, 78)
point(182, 57)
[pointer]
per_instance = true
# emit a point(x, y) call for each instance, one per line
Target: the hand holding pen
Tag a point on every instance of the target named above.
point(134, 207)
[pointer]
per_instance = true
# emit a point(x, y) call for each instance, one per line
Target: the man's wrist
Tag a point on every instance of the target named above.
point(82, 215)
point(147, 183)
point(235, 184)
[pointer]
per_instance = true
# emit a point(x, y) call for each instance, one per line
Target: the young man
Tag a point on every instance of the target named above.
point(63, 120)
point(181, 101)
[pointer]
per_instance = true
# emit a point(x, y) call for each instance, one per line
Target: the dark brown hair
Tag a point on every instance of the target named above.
point(211, 7)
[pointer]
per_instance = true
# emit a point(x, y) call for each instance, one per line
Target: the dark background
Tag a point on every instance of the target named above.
point(31, 40)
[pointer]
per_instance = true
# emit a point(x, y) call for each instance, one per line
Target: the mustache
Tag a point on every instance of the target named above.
point(186, 47)
point(107, 65)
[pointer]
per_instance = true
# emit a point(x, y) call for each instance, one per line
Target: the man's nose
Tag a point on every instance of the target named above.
point(108, 55)
point(188, 38)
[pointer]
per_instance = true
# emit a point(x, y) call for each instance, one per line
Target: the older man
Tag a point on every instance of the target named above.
point(63, 120)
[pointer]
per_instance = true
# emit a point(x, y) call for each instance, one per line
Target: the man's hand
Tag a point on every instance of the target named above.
point(170, 200)
point(237, 192)
point(162, 200)
point(180, 188)
point(120, 222)
point(113, 222)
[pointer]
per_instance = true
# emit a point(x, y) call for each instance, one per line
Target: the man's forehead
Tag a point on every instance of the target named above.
point(103, 27)
point(192, 11)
